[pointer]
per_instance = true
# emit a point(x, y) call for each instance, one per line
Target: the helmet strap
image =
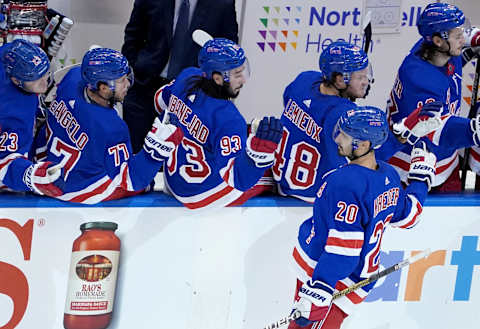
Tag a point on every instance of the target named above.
point(352, 156)
point(110, 101)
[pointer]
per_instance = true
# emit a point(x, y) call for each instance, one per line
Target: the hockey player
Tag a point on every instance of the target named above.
point(433, 72)
point(25, 76)
point(215, 164)
point(340, 244)
point(88, 137)
point(313, 103)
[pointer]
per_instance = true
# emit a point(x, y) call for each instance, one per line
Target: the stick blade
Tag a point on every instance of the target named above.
point(420, 255)
point(367, 19)
point(201, 37)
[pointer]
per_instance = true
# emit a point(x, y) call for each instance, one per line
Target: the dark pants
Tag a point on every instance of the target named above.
point(139, 111)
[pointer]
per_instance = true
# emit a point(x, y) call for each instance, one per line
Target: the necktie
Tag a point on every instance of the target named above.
point(180, 39)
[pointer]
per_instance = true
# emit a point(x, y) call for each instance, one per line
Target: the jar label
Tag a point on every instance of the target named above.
point(91, 284)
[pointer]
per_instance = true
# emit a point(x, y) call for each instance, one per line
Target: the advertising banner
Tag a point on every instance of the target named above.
point(285, 37)
point(228, 269)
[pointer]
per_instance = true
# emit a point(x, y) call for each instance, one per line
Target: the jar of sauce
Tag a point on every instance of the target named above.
point(92, 277)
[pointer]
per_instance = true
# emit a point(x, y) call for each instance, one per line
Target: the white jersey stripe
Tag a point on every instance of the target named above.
point(412, 218)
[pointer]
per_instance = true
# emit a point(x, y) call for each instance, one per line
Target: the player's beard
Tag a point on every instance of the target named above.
point(227, 89)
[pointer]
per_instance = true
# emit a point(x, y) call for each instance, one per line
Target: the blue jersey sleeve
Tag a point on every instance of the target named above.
point(133, 172)
point(16, 137)
point(410, 205)
point(240, 171)
point(456, 133)
point(391, 146)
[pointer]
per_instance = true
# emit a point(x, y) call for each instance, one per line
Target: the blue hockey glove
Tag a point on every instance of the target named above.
point(314, 302)
point(424, 120)
point(45, 178)
point(422, 164)
point(262, 144)
point(162, 140)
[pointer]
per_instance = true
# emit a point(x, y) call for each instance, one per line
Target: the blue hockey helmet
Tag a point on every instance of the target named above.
point(439, 18)
point(363, 123)
point(24, 61)
point(342, 57)
point(220, 55)
point(104, 65)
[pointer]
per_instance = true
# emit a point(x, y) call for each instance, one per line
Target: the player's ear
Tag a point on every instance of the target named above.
point(15, 81)
point(218, 78)
point(437, 41)
point(338, 81)
point(364, 146)
point(103, 88)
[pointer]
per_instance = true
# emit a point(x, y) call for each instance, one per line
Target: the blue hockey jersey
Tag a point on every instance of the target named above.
point(210, 167)
point(93, 144)
point(18, 110)
point(307, 150)
point(419, 82)
point(340, 244)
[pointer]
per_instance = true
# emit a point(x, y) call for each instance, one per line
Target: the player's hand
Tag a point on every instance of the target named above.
point(315, 299)
point(422, 164)
point(423, 121)
point(472, 37)
point(263, 142)
point(45, 178)
point(162, 140)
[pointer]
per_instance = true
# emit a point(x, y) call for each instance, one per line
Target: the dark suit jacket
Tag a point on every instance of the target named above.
point(148, 34)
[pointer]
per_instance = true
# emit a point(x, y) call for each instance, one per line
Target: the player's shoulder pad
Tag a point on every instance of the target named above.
point(308, 77)
point(227, 114)
point(71, 86)
point(187, 73)
point(388, 169)
point(418, 74)
point(73, 77)
point(342, 178)
point(12, 98)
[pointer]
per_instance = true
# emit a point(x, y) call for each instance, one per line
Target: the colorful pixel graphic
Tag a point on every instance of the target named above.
point(279, 29)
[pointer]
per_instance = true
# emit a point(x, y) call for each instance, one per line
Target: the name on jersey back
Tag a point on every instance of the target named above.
point(302, 120)
point(194, 125)
point(67, 121)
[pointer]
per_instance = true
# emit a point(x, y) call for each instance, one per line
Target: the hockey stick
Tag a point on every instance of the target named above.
point(471, 114)
point(410, 260)
point(367, 31)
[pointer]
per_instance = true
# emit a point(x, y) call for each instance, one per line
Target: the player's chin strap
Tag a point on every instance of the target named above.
point(353, 157)
point(110, 100)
